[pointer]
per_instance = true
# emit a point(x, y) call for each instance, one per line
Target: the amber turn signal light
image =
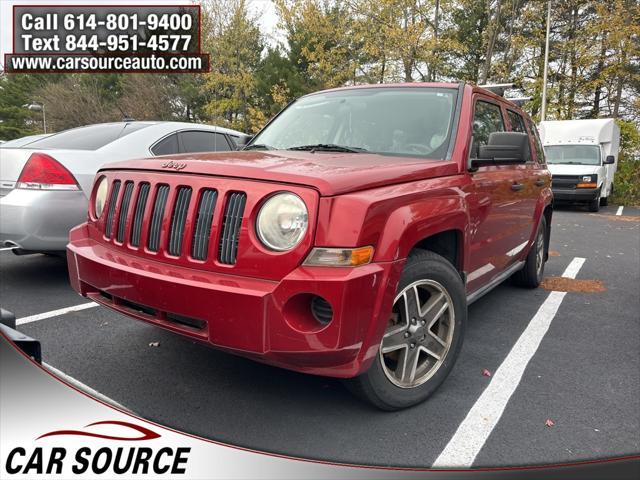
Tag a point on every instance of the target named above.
point(340, 257)
point(587, 185)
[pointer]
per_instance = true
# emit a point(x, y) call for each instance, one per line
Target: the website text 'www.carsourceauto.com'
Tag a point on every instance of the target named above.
point(100, 63)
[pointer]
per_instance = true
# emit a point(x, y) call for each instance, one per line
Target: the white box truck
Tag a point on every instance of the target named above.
point(582, 156)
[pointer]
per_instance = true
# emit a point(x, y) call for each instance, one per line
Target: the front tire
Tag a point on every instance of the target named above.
point(594, 205)
point(422, 339)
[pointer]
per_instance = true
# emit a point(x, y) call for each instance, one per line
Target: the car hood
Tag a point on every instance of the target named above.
point(329, 173)
point(560, 169)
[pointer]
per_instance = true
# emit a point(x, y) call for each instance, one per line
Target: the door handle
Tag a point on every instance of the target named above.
point(516, 187)
point(540, 183)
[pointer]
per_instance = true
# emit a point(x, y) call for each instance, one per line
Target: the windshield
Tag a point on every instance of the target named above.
point(573, 154)
point(91, 137)
point(391, 121)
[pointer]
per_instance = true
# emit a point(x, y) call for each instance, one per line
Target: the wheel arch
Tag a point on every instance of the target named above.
point(446, 243)
point(430, 226)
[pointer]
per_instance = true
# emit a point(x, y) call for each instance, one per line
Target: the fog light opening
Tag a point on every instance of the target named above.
point(307, 313)
point(321, 310)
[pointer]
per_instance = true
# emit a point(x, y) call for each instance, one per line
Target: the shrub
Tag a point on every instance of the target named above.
point(626, 187)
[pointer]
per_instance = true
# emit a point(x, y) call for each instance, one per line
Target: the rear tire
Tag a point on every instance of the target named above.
point(423, 338)
point(604, 201)
point(531, 274)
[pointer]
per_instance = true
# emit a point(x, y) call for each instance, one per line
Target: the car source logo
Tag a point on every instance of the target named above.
point(80, 458)
point(175, 165)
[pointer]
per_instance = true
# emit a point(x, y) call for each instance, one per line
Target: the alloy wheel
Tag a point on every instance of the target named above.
point(419, 334)
point(539, 253)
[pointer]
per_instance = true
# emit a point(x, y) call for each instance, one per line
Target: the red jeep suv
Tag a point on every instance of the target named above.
point(346, 240)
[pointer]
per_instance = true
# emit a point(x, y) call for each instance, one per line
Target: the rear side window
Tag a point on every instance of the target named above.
point(166, 146)
point(91, 137)
point(537, 143)
point(517, 122)
point(199, 141)
point(487, 119)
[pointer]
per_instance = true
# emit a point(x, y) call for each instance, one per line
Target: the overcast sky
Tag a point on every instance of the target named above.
point(264, 8)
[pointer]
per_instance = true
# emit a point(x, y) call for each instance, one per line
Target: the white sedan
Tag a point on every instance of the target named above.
point(45, 185)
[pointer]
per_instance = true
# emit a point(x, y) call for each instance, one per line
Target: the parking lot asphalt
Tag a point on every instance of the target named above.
point(584, 375)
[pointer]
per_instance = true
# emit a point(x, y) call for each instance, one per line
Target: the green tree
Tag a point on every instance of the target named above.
point(235, 45)
point(278, 81)
point(17, 90)
point(323, 41)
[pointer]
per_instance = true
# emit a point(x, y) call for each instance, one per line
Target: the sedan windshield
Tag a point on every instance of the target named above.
point(573, 154)
point(390, 121)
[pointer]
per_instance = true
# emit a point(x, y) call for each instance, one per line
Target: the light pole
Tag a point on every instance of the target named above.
point(39, 107)
point(543, 110)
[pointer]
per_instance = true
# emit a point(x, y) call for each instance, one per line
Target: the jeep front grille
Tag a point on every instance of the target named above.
point(202, 232)
point(175, 220)
point(231, 227)
point(141, 203)
point(124, 208)
point(176, 234)
point(112, 207)
point(157, 217)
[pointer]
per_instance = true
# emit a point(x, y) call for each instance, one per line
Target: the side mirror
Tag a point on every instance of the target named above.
point(243, 140)
point(504, 148)
point(609, 160)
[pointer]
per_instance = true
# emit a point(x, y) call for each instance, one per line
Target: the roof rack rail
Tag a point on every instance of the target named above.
point(500, 88)
point(519, 101)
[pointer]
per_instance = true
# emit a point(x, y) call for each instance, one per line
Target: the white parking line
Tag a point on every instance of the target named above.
point(55, 313)
point(620, 208)
point(85, 388)
point(475, 429)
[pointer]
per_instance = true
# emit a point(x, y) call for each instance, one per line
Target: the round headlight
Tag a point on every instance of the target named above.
point(101, 196)
point(282, 222)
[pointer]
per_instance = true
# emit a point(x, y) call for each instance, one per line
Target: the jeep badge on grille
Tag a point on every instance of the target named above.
point(175, 165)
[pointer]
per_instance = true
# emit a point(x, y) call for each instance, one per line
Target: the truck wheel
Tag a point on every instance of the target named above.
point(604, 201)
point(594, 205)
point(422, 339)
point(531, 274)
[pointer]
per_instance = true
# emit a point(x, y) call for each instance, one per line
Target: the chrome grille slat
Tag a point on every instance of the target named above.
point(200, 241)
point(156, 219)
point(124, 210)
point(231, 228)
point(176, 233)
point(141, 203)
point(115, 190)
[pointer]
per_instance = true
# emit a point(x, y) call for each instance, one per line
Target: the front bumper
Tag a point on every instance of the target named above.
point(268, 321)
point(40, 220)
point(575, 194)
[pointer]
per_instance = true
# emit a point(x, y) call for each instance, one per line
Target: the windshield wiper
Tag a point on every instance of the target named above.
point(258, 146)
point(328, 147)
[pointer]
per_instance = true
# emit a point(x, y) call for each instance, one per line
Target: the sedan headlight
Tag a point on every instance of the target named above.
point(100, 197)
point(282, 222)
